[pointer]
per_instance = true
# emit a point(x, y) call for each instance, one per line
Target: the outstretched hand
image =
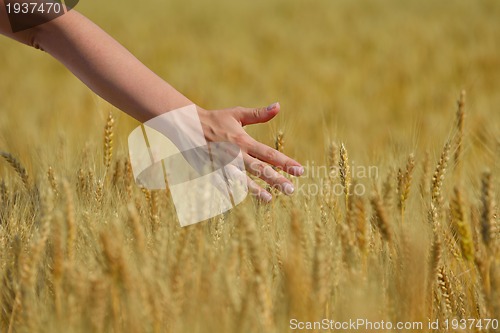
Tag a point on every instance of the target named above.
point(106, 67)
point(227, 126)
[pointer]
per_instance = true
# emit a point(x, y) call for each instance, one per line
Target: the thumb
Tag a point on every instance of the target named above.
point(249, 116)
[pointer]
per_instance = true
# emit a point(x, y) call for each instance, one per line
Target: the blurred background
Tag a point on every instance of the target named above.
point(369, 73)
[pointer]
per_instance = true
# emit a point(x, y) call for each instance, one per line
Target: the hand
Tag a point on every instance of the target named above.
point(227, 126)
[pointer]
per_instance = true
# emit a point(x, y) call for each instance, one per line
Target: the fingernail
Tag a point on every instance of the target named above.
point(296, 170)
point(272, 106)
point(265, 196)
point(288, 188)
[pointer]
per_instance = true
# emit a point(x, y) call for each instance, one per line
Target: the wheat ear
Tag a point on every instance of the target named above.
point(461, 227)
point(332, 158)
point(380, 217)
point(438, 178)
point(345, 172)
point(404, 184)
point(16, 165)
point(108, 140)
point(52, 180)
point(460, 120)
point(487, 211)
point(279, 142)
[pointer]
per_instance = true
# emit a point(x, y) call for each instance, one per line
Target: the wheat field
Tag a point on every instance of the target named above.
point(392, 106)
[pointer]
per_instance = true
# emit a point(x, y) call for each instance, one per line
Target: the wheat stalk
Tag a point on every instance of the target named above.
point(460, 120)
point(81, 184)
point(259, 268)
point(446, 289)
point(436, 250)
point(404, 184)
point(70, 221)
point(99, 193)
point(129, 178)
point(426, 176)
point(345, 172)
point(332, 158)
point(154, 211)
point(118, 173)
point(4, 193)
point(52, 181)
point(380, 218)
point(388, 188)
point(18, 167)
point(320, 274)
point(279, 142)
point(57, 263)
point(29, 263)
point(462, 228)
point(438, 178)
point(137, 229)
point(108, 140)
point(487, 211)
point(359, 219)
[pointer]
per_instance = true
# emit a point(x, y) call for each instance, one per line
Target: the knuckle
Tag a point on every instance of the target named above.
point(271, 154)
point(257, 169)
point(241, 140)
point(239, 112)
point(239, 109)
point(256, 113)
point(267, 173)
point(261, 169)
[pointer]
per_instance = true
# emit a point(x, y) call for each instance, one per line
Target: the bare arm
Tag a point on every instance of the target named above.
point(104, 65)
point(116, 75)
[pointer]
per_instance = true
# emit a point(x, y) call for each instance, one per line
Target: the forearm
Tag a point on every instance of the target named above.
point(108, 68)
point(104, 66)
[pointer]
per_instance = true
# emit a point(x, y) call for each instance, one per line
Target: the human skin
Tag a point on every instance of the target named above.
point(106, 67)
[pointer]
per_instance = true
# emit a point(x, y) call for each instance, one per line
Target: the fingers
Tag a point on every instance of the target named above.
point(259, 157)
point(268, 174)
point(274, 157)
point(260, 151)
point(236, 175)
point(248, 116)
point(257, 191)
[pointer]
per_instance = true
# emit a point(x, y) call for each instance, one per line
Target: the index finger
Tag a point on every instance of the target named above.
point(275, 158)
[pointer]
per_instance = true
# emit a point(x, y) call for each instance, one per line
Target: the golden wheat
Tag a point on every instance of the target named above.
point(108, 140)
point(86, 250)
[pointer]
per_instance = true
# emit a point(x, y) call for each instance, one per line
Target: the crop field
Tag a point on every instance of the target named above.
point(392, 106)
